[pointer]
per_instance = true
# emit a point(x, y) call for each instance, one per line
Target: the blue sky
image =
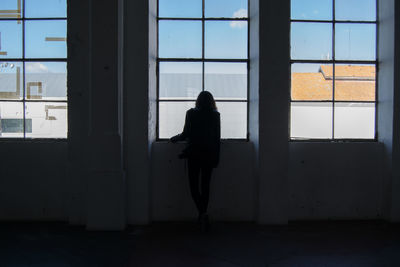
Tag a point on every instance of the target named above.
point(193, 8)
point(344, 9)
point(183, 39)
point(228, 39)
point(35, 33)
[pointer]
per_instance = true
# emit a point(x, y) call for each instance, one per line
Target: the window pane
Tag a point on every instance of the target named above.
point(226, 39)
point(311, 120)
point(11, 9)
point(355, 10)
point(355, 120)
point(46, 8)
point(311, 82)
point(233, 119)
point(46, 39)
point(10, 39)
point(226, 80)
point(11, 119)
point(311, 9)
point(180, 8)
point(311, 40)
point(355, 41)
point(172, 117)
point(48, 119)
point(46, 80)
point(180, 80)
point(180, 39)
point(11, 80)
point(226, 8)
point(355, 82)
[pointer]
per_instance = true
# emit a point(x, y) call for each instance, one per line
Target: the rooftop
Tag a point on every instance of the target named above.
point(352, 83)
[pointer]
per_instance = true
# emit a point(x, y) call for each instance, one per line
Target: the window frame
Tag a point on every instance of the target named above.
point(23, 60)
point(333, 62)
point(203, 19)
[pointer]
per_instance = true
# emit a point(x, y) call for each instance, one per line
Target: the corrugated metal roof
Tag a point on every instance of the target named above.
point(189, 85)
point(54, 84)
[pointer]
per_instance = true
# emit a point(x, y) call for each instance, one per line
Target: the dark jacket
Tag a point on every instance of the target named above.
point(202, 131)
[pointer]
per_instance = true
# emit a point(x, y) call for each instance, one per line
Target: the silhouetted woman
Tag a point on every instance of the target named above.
point(203, 132)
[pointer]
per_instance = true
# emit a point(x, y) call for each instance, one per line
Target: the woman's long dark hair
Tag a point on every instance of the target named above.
point(205, 101)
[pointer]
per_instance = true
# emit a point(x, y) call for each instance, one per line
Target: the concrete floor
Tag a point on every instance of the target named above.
point(182, 244)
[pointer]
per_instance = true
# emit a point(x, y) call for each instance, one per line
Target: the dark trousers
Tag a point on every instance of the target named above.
point(200, 198)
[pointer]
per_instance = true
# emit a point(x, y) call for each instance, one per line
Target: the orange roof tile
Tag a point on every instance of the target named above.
point(349, 71)
point(354, 83)
point(311, 86)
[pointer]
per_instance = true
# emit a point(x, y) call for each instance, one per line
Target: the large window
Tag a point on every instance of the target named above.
point(202, 45)
point(33, 69)
point(333, 65)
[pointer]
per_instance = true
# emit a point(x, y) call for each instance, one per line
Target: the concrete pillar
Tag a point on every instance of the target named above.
point(254, 97)
point(389, 106)
point(106, 185)
point(139, 99)
point(274, 84)
point(395, 192)
point(78, 108)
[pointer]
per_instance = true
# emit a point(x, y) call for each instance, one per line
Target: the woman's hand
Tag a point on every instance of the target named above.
point(174, 139)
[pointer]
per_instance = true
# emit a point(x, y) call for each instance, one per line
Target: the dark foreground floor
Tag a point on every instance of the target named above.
point(182, 244)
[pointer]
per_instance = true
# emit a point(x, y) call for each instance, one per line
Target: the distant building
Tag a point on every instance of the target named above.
point(312, 116)
point(352, 83)
point(42, 119)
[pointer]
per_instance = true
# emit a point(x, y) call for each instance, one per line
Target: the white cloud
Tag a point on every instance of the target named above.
point(241, 13)
point(36, 67)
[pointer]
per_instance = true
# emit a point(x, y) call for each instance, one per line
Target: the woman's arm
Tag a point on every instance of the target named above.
point(185, 133)
point(218, 136)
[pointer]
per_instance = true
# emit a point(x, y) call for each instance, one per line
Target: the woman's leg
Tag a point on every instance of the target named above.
point(206, 172)
point(193, 172)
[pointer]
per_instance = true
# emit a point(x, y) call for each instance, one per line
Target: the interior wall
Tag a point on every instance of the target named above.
point(136, 110)
point(294, 181)
point(274, 82)
point(339, 181)
point(33, 184)
point(395, 185)
point(232, 194)
point(324, 180)
point(385, 95)
point(78, 108)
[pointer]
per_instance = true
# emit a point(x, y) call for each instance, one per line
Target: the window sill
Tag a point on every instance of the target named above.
point(33, 140)
point(223, 141)
point(336, 141)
